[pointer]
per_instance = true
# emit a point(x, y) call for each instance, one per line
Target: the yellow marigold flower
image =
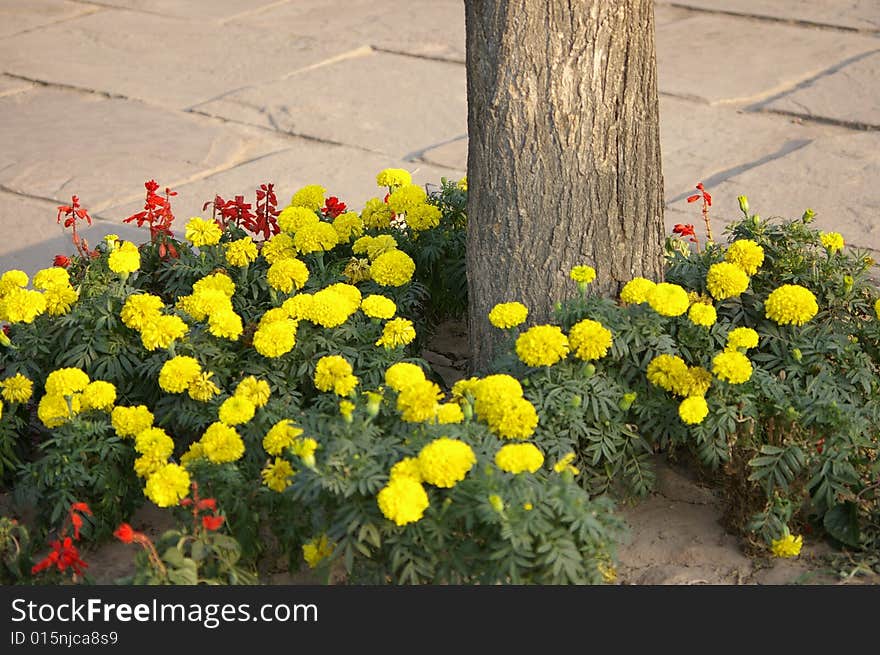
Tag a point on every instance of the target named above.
point(788, 546)
point(791, 304)
point(225, 324)
point(392, 269)
point(519, 457)
point(22, 306)
point(589, 339)
point(746, 254)
point(200, 232)
point(12, 280)
point(417, 403)
point(278, 475)
point(222, 444)
point(53, 410)
point(275, 339)
point(668, 299)
point(877, 308)
point(702, 314)
point(329, 308)
point(406, 468)
point(162, 331)
point(701, 380)
point(241, 252)
point(146, 465)
point(202, 388)
point(402, 375)
point(833, 241)
point(310, 196)
point(350, 293)
point(316, 551)
point(379, 245)
point(516, 419)
point(298, 306)
point(423, 217)
point(528, 507)
point(291, 219)
point(60, 298)
point(406, 197)
point(125, 259)
point(281, 436)
point(693, 410)
point(726, 280)
point(492, 393)
point(66, 381)
point(287, 274)
point(334, 373)
point(17, 389)
point(742, 338)
point(497, 502)
point(257, 391)
point(507, 315)
point(194, 452)
point(139, 309)
point(177, 373)
point(131, 421)
point(636, 291)
point(403, 500)
point(273, 316)
point(278, 247)
point(542, 345)
point(449, 413)
point(316, 237)
point(98, 395)
point(444, 462)
point(732, 366)
point(236, 410)
point(376, 306)
point(357, 270)
point(670, 372)
point(204, 303)
point(463, 183)
point(347, 226)
point(566, 464)
point(167, 486)
point(304, 448)
point(583, 274)
point(154, 442)
point(346, 409)
point(376, 214)
point(51, 277)
point(392, 177)
point(217, 281)
point(397, 332)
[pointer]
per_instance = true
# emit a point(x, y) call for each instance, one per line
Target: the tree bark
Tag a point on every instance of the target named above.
point(564, 153)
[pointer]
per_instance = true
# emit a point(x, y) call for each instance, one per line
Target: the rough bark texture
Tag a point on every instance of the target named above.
point(564, 152)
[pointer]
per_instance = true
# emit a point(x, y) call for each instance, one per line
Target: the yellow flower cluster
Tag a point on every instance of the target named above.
point(406, 197)
point(221, 444)
point(693, 410)
point(787, 546)
point(423, 217)
point(277, 475)
point(275, 338)
point(125, 259)
point(583, 274)
point(286, 274)
point(99, 395)
point(376, 306)
point(347, 226)
point(278, 247)
point(292, 219)
point(726, 280)
point(281, 436)
point(257, 391)
point(791, 304)
point(178, 372)
point(315, 237)
point(236, 410)
point(330, 307)
point(746, 254)
point(833, 241)
point(444, 462)
point(377, 214)
point(518, 458)
point(508, 315)
point(392, 177)
point(397, 332)
point(702, 314)
point(418, 402)
point(732, 366)
point(542, 345)
point(131, 421)
point(671, 373)
point(316, 551)
point(241, 252)
point(202, 387)
point(17, 389)
point(392, 269)
point(401, 375)
point(498, 400)
point(403, 500)
point(200, 232)
point(334, 373)
point(741, 338)
point(17, 304)
point(310, 196)
point(668, 299)
point(168, 485)
point(58, 292)
point(589, 339)
point(143, 313)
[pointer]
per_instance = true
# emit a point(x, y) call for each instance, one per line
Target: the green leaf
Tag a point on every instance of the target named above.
point(842, 523)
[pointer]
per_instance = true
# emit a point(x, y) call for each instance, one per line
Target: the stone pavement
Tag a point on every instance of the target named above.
point(776, 99)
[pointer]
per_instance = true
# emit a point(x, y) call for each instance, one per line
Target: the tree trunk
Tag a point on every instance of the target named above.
point(564, 152)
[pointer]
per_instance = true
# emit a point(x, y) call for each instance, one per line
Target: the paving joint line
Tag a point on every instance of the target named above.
point(794, 22)
point(822, 120)
point(95, 9)
point(401, 53)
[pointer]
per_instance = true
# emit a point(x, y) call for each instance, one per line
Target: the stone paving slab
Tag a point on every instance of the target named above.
point(835, 176)
point(18, 16)
point(848, 95)
point(451, 155)
point(10, 85)
point(425, 28)
point(164, 61)
point(61, 142)
point(854, 14)
point(382, 102)
point(216, 11)
point(722, 59)
point(35, 247)
point(348, 173)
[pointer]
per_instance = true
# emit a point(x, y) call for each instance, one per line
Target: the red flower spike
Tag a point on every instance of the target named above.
point(332, 207)
point(684, 230)
point(125, 533)
point(212, 522)
point(207, 503)
point(61, 261)
point(186, 502)
point(64, 555)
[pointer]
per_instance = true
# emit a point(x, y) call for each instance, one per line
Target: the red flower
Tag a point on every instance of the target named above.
point(332, 207)
point(76, 519)
point(703, 194)
point(212, 522)
point(820, 445)
point(61, 261)
point(125, 533)
point(64, 555)
point(207, 503)
point(683, 230)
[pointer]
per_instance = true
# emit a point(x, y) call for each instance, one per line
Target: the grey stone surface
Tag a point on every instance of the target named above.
point(848, 95)
point(11, 85)
point(347, 173)
point(216, 11)
point(160, 60)
point(60, 142)
point(452, 154)
point(376, 101)
point(723, 59)
point(17, 16)
point(854, 14)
